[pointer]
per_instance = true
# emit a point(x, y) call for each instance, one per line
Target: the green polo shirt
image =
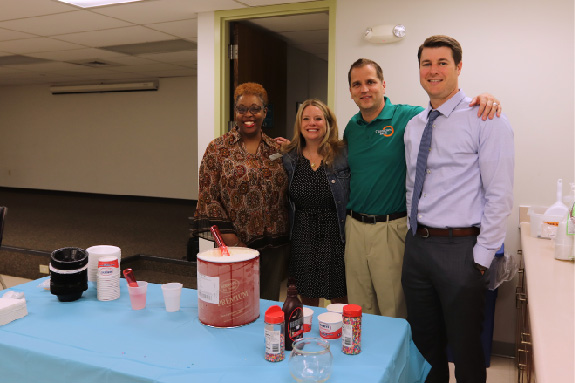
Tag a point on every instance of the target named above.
point(377, 160)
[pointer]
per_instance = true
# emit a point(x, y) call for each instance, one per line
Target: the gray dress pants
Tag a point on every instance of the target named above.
point(445, 298)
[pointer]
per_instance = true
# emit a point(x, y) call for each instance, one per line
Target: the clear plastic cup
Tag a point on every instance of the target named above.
point(172, 293)
point(138, 295)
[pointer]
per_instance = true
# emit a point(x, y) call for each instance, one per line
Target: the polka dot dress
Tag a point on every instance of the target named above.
point(316, 259)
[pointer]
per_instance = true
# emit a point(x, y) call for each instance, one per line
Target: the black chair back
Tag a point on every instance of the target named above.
point(2, 215)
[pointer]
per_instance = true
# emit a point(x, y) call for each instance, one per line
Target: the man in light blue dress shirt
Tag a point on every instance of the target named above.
point(461, 216)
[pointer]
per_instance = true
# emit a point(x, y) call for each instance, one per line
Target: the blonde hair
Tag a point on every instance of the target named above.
point(330, 145)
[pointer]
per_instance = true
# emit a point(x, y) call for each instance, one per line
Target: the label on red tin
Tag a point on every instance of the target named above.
point(209, 289)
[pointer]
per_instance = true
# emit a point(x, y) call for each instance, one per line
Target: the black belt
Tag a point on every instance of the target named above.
point(425, 232)
point(366, 218)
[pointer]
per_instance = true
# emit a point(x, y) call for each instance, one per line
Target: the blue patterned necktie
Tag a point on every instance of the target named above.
point(424, 148)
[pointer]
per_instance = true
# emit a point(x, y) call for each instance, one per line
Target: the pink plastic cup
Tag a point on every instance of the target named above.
point(138, 295)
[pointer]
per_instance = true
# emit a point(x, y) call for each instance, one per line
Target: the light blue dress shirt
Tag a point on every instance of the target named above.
point(469, 180)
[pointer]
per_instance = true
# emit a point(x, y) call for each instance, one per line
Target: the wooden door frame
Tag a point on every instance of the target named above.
point(221, 39)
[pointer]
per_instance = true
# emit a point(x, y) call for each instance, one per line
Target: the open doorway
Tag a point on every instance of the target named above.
point(306, 69)
point(288, 55)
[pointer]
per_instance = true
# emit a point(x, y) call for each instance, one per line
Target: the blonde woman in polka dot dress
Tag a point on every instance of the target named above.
point(316, 163)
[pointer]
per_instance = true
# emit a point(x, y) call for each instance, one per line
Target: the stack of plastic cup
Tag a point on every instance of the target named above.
point(108, 278)
point(94, 255)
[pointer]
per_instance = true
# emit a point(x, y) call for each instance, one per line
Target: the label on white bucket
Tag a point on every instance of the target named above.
point(209, 289)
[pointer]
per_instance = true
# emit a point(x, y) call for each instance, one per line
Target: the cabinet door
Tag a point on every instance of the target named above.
point(524, 347)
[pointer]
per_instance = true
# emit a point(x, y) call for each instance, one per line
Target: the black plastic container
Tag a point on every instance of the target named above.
point(68, 273)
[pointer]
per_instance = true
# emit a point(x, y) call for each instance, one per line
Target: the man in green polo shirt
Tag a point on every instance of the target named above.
point(376, 227)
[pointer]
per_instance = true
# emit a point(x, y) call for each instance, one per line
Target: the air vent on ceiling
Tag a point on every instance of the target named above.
point(94, 63)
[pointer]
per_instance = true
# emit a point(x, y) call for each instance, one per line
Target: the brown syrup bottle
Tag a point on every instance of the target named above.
point(293, 313)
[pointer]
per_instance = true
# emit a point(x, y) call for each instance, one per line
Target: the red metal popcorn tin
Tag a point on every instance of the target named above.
point(228, 287)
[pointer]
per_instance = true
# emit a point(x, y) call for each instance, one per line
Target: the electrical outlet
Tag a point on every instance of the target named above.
point(44, 269)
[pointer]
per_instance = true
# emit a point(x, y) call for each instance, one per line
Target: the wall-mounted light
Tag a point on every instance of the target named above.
point(385, 34)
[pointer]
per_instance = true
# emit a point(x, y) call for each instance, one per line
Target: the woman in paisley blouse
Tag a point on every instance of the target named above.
point(243, 187)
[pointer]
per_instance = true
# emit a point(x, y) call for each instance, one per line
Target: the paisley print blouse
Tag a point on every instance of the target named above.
point(243, 193)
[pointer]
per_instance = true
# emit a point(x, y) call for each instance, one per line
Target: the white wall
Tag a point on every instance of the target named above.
point(207, 90)
point(138, 143)
point(522, 52)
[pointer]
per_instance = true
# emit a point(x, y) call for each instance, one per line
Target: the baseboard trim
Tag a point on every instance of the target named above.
point(503, 349)
point(153, 258)
point(192, 202)
point(26, 251)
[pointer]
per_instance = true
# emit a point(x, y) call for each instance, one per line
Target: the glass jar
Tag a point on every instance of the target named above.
point(310, 360)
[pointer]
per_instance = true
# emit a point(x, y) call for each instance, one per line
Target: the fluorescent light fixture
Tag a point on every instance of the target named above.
point(95, 3)
point(105, 88)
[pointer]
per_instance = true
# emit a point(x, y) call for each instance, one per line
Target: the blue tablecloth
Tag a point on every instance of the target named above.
point(107, 342)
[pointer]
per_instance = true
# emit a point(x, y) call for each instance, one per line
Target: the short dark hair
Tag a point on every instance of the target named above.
point(363, 62)
point(442, 41)
point(251, 88)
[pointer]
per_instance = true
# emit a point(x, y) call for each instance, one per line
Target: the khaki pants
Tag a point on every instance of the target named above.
point(373, 263)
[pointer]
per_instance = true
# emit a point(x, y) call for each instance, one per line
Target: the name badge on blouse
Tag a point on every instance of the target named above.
point(275, 156)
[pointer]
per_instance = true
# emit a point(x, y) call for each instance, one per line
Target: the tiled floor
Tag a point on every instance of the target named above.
point(13, 281)
point(502, 370)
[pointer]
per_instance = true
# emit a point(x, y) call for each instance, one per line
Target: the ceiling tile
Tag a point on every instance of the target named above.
point(257, 3)
point(187, 29)
point(166, 10)
point(132, 60)
point(62, 33)
point(121, 76)
point(15, 9)
point(151, 12)
point(76, 54)
point(188, 64)
point(173, 57)
point(184, 72)
point(20, 60)
point(34, 78)
point(128, 35)
point(8, 70)
point(40, 44)
point(84, 71)
point(45, 67)
point(6, 35)
point(69, 22)
point(145, 68)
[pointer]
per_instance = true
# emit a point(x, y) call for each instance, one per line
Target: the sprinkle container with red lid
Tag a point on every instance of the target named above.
point(351, 329)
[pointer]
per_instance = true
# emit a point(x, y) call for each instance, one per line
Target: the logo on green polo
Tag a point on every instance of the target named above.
point(386, 131)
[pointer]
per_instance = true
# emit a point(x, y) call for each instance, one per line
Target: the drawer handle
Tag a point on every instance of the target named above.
point(523, 336)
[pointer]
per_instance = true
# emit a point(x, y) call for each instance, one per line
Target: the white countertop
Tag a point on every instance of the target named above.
point(551, 300)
